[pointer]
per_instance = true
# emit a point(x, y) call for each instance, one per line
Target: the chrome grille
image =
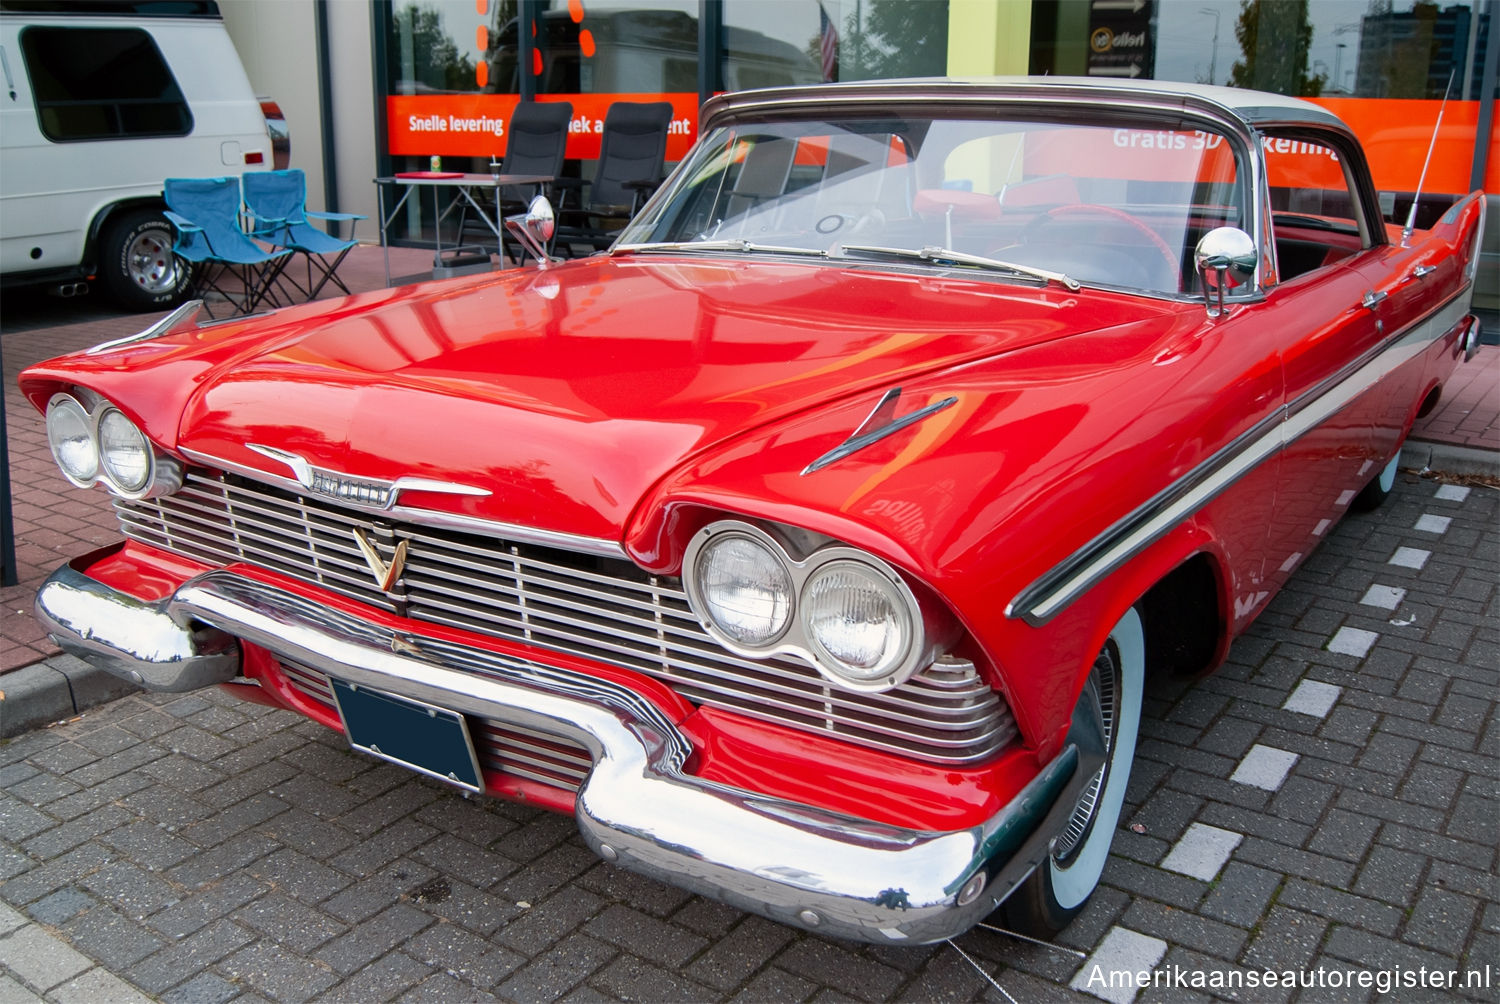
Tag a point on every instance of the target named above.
point(605, 609)
point(501, 746)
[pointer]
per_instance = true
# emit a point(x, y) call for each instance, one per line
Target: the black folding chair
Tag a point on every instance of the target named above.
point(632, 153)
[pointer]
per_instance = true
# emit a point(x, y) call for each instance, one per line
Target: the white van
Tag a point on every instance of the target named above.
point(101, 103)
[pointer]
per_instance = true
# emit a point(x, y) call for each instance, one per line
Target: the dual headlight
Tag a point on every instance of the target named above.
point(98, 443)
point(842, 610)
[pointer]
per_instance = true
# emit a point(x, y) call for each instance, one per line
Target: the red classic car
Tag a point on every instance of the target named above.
point(810, 545)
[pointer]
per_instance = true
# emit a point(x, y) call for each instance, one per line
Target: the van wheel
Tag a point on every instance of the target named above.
point(1107, 717)
point(137, 266)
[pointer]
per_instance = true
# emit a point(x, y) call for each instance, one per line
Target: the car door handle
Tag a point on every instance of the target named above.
point(1372, 299)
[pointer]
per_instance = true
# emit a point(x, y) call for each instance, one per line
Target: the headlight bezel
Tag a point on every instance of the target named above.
point(798, 638)
point(163, 475)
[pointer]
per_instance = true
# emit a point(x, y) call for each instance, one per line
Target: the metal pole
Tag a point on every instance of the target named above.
point(1486, 98)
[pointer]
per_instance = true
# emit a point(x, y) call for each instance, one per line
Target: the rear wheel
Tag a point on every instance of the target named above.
point(1107, 718)
point(136, 263)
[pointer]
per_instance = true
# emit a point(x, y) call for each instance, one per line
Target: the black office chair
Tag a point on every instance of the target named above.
point(632, 154)
point(536, 143)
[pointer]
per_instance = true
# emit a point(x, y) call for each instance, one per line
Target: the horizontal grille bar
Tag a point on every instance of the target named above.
point(599, 608)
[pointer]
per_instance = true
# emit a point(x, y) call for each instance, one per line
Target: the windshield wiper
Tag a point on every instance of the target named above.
point(937, 254)
point(718, 245)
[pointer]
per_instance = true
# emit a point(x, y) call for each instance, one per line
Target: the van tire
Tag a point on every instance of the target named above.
point(136, 263)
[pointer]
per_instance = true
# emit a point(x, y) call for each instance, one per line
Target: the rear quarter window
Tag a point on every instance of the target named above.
point(102, 83)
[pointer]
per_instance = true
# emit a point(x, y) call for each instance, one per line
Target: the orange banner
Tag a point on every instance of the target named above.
point(1396, 132)
point(474, 125)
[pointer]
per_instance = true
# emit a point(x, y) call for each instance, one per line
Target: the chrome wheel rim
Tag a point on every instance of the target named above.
point(150, 263)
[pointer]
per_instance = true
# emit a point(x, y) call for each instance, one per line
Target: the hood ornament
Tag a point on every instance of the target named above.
point(385, 574)
point(881, 422)
point(369, 493)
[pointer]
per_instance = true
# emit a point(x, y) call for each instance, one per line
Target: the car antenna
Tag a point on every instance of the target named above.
point(1416, 199)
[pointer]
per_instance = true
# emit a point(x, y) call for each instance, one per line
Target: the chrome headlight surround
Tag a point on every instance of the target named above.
point(901, 657)
point(159, 473)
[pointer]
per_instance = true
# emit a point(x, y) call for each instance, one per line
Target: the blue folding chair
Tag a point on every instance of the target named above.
point(277, 203)
point(206, 213)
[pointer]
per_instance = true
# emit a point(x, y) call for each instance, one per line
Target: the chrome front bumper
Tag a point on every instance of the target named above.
point(793, 863)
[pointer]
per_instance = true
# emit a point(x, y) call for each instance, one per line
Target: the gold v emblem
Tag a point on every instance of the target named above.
point(385, 575)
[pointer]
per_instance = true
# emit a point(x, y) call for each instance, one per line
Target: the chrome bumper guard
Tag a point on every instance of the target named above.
point(793, 863)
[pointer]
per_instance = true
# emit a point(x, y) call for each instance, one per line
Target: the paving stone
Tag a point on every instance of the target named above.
point(440, 988)
point(110, 938)
point(297, 926)
point(372, 938)
point(173, 964)
point(1441, 919)
point(1110, 973)
point(1287, 938)
point(1241, 894)
point(834, 964)
point(1264, 767)
point(1202, 851)
point(97, 985)
point(1390, 875)
point(381, 980)
point(1344, 835)
point(40, 959)
point(777, 985)
point(205, 988)
point(534, 928)
point(60, 907)
point(278, 973)
point(629, 978)
point(201, 907)
point(464, 955)
point(549, 977)
point(754, 943)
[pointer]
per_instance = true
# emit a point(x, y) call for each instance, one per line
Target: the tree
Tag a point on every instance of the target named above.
point(425, 57)
point(1274, 37)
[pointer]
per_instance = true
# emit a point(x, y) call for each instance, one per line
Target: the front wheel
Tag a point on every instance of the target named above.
point(137, 266)
point(1374, 494)
point(1107, 718)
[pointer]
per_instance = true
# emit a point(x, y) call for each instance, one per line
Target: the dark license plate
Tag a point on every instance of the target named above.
point(427, 739)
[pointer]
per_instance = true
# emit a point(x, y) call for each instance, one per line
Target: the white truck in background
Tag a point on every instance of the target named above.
point(101, 102)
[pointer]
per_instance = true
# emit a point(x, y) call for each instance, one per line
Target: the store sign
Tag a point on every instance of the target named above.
point(474, 125)
point(1122, 42)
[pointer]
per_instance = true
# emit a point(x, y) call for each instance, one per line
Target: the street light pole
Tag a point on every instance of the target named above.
point(1213, 60)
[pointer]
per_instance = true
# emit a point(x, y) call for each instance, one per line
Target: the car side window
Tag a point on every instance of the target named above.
point(1317, 218)
point(102, 83)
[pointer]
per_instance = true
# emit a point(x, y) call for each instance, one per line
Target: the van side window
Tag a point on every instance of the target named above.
point(102, 83)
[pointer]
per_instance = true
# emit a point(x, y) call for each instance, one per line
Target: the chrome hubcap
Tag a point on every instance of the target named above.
point(150, 262)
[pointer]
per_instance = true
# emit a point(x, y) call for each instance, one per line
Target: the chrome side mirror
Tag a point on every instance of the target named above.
point(1225, 258)
point(534, 228)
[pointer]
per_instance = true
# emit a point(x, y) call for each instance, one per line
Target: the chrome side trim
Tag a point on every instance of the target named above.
point(428, 517)
point(183, 315)
point(880, 423)
point(1086, 567)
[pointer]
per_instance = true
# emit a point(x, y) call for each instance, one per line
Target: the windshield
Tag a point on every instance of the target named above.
point(1119, 205)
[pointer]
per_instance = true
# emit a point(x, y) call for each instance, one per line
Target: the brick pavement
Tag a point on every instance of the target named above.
point(1326, 802)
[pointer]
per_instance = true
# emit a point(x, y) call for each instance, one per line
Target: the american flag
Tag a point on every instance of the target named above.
point(828, 45)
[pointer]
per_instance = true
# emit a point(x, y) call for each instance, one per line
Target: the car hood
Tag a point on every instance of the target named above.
point(566, 393)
